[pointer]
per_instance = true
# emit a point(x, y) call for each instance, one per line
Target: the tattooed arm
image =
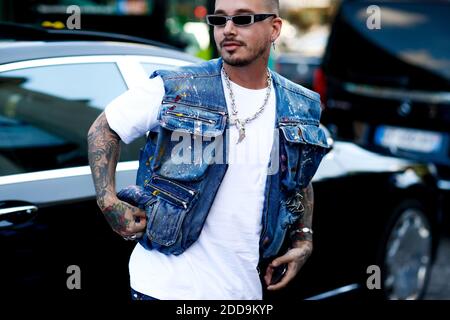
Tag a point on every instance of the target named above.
point(103, 152)
point(301, 247)
point(306, 220)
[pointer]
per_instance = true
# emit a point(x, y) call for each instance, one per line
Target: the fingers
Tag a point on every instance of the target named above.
point(125, 219)
point(270, 271)
point(284, 259)
point(137, 227)
point(139, 235)
point(268, 275)
point(289, 275)
point(137, 221)
point(138, 213)
point(294, 259)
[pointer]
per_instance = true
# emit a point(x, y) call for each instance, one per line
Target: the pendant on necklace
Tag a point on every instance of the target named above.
point(241, 127)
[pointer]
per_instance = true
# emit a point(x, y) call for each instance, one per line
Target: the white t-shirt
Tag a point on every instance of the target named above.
point(222, 263)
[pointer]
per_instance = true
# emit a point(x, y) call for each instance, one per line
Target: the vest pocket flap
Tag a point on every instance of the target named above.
point(176, 193)
point(306, 134)
point(192, 119)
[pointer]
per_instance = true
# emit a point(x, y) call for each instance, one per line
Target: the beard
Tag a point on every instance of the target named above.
point(249, 56)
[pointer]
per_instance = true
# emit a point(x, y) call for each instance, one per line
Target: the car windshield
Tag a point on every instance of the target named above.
point(410, 34)
point(419, 33)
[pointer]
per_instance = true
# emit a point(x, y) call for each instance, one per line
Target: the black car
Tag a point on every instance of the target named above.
point(370, 209)
point(301, 64)
point(298, 68)
point(387, 87)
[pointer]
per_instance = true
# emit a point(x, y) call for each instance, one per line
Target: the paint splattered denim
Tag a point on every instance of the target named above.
point(179, 187)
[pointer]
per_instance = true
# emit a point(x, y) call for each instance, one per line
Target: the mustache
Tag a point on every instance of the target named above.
point(231, 40)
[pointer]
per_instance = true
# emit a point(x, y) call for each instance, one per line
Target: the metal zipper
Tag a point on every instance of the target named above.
point(150, 202)
point(290, 123)
point(179, 114)
point(184, 203)
point(190, 191)
point(197, 107)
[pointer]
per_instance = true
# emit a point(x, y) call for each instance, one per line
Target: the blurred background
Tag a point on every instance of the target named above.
point(180, 23)
point(385, 89)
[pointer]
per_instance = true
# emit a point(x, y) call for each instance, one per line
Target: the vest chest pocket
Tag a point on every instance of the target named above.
point(191, 139)
point(303, 148)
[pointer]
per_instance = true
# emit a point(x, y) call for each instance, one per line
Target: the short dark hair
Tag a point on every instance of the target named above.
point(274, 5)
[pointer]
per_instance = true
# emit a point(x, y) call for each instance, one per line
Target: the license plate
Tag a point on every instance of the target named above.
point(409, 139)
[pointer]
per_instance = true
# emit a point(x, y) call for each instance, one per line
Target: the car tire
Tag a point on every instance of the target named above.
point(407, 253)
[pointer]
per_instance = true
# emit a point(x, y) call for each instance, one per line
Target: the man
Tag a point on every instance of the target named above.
point(207, 225)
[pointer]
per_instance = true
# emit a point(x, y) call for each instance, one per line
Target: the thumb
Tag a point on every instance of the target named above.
point(141, 224)
point(140, 221)
point(280, 260)
point(139, 213)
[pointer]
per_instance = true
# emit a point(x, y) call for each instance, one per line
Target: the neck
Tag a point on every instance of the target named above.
point(252, 76)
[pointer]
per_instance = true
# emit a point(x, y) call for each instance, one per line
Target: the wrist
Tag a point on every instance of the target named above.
point(106, 200)
point(302, 233)
point(306, 245)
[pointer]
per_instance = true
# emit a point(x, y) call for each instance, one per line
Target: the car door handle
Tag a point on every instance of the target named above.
point(28, 209)
point(15, 213)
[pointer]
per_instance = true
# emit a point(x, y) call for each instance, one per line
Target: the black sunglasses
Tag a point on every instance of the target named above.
point(239, 20)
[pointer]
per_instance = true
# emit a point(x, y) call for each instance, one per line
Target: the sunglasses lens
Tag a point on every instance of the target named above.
point(242, 20)
point(216, 20)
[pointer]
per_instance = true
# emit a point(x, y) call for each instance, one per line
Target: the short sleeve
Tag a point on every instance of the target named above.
point(132, 114)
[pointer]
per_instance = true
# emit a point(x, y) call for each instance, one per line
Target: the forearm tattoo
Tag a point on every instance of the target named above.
point(103, 153)
point(308, 204)
point(306, 219)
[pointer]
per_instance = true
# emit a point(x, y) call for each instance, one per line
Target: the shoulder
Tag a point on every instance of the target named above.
point(302, 103)
point(209, 68)
point(295, 88)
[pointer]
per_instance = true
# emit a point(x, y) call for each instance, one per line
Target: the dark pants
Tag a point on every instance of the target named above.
point(140, 296)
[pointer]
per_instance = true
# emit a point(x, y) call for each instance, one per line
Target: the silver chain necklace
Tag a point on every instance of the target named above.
point(240, 123)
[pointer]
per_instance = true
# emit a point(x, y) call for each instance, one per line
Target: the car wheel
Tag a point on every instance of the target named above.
point(407, 253)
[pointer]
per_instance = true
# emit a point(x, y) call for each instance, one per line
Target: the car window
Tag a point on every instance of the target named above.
point(45, 113)
point(411, 34)
point(402, 25)
point(95, 83)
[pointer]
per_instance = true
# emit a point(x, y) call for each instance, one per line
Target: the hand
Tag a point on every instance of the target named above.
point(125, 219)
point(295, 258)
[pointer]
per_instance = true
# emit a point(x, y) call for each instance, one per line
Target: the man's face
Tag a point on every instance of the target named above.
point(241, 45)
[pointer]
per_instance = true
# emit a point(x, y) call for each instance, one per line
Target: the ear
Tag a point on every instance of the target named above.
point(277, 23)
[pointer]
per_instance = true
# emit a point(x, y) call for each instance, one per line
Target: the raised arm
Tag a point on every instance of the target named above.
point(103, 152)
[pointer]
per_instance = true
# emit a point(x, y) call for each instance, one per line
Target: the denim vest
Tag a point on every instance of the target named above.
point(179, 194)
